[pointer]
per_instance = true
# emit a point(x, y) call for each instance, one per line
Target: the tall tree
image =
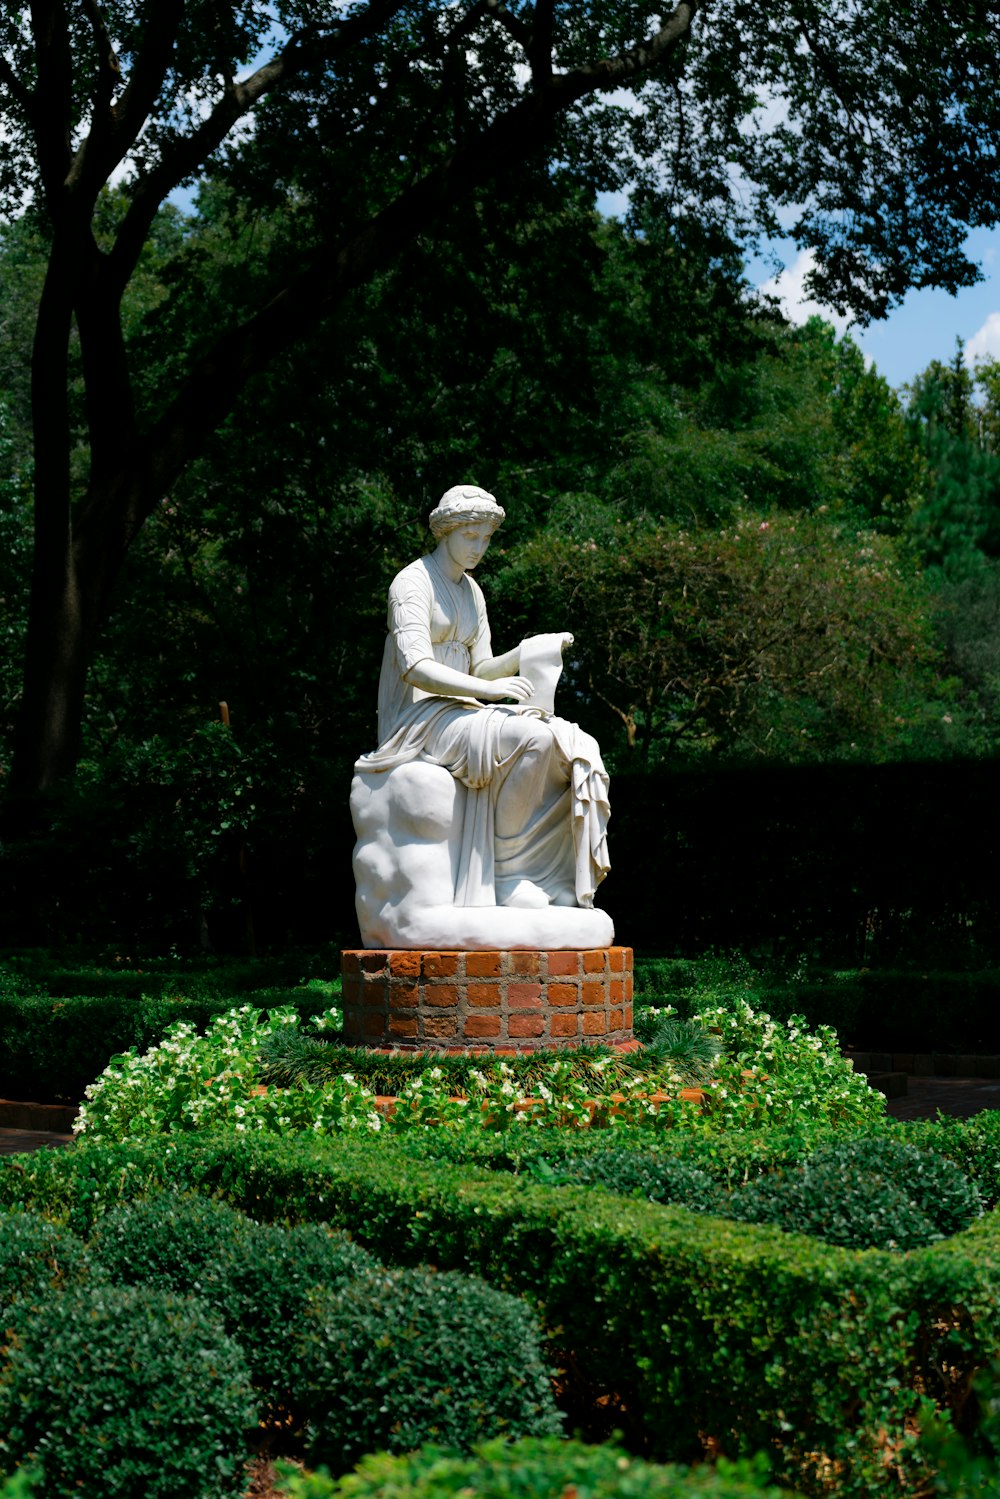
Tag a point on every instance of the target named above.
point(373, 119)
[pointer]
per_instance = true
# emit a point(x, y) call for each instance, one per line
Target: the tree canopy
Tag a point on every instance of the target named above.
point(349, 133)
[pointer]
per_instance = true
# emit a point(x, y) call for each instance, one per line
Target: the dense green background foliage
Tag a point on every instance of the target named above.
point(767, 555)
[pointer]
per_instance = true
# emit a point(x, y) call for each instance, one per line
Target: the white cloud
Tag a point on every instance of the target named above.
point(986, 343)
point(788, 286)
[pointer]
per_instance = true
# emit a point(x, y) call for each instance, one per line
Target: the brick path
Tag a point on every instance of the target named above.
point(959, 1097)
point(16, 1141)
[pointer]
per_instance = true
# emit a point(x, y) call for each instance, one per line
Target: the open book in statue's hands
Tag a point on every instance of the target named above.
point(542, 663)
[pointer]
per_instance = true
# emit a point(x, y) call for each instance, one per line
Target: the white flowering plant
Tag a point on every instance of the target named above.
point(212, 1081)
point(779, 1072)
point(768, 1072)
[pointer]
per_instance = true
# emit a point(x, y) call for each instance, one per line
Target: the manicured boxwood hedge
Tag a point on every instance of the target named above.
point(541, 1468)
point(127, 1390)
point(51, 1048)
point(874, 1009)
point(696, 1327)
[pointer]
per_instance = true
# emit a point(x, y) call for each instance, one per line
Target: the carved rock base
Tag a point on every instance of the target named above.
point(487, 1000)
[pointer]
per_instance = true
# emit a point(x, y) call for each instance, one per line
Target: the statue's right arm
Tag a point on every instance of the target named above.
point(433, 676)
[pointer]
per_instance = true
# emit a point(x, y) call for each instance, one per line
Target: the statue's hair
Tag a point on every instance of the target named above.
point(463, 505)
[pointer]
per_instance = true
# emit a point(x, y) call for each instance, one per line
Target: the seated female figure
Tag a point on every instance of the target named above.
point(528, 833)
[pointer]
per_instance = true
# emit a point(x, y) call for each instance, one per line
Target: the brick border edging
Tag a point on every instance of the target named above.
point(519, 1000)
point(46, 1118)
point(924, 1064)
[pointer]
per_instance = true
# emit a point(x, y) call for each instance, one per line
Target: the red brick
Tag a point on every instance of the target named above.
point(628, 988)
point(374, 993)
point(524, 996)
point(594, 1024)
point(563, 964)
point(404, 996)
point(616, 959)
point(482, 965)
point(595, 961)
point(594, 993)
point(628, 958)
point(403, 1025)
point(617, 991)
point(441, 995)
point(563, 1025)
point(372, 962)
point(628, 1017)
point(563, 994)
point(372, 1024)
point(440, 1026)
point(526, 963)
point(616, 1020)
point(350, 963)
point(484, 996)
point(439, 965)
point(525, 1025)
point(482, 1025)
point(404, 965)
point(351, 989)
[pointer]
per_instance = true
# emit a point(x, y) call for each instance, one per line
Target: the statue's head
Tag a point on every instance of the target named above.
point(464, 505)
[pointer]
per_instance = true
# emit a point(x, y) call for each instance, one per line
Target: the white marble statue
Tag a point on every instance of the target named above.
point(481, 818)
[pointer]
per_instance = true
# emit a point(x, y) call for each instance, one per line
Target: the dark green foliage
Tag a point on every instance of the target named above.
point(865, 1194)
point(973, 1144)
point(264, 1280)
point(657, 1177)
point(170, 1240)
point(532, 1468)
point(52, 1046)
point(750, 1338)
point(36, 1258)
point(857, 865)
point(127, 1391)
point(407, 1356)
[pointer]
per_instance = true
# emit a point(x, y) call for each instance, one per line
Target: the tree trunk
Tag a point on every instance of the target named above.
point(57, 658)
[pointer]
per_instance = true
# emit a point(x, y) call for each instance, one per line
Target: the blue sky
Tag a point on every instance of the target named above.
point(924, 327)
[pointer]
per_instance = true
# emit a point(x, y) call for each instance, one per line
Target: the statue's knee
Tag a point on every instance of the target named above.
point(527, 736)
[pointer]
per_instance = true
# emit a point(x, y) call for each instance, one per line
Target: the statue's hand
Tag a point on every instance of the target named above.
point(518, 688)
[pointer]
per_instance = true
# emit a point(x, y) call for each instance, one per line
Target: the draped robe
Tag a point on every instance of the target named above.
point(560, 843)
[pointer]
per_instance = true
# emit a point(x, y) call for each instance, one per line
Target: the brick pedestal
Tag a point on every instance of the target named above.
point(512, 1001)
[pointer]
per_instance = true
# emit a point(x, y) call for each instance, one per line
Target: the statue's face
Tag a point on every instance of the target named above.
point(467, 545)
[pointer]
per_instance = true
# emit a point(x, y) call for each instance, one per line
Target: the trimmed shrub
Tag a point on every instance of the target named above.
point(865, 1194)
point(659, 1178)
point(701, 1328)
point(409, 1356)
point(973, 1144)
point(36, 1258)
point(533, 1468)
point(265, 1280)
point(121, 1391)
point(171, 1240)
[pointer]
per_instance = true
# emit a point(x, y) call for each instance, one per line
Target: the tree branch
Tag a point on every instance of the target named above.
point(539, 48)
point(146, 79)
point(513, 26)
point(191, 151)
point(108, 72)
point(17, 90)
point(612, 72)
point(214, 385)
point(52, 100)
